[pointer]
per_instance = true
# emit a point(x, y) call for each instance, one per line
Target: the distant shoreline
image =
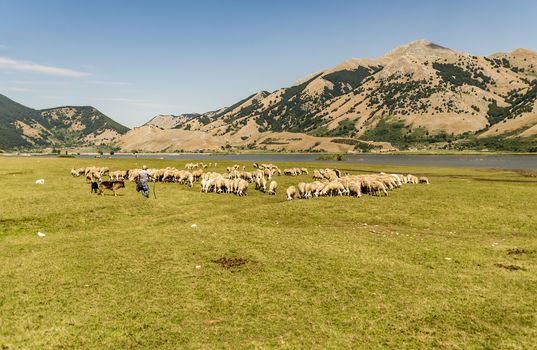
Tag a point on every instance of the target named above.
point(153, 154)
point(453, 160)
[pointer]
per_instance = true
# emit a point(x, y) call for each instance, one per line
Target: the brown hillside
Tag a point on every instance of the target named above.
point(425, 88)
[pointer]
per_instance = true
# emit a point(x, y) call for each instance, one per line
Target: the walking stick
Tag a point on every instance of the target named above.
point(154, 189)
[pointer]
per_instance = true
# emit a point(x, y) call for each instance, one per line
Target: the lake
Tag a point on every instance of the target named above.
point(453, 161)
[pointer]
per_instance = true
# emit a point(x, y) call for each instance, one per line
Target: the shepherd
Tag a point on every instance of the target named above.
point(143, 179)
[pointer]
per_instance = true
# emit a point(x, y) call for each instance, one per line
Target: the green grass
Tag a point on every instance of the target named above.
point(413, 270)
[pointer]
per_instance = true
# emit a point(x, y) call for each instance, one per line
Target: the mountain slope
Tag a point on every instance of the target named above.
point(26, 128)
point(417, 93)
point(85, 125)
point(20, 126)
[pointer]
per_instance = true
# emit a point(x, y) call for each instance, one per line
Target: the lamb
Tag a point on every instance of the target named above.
point(291, 192)
point(272, 187)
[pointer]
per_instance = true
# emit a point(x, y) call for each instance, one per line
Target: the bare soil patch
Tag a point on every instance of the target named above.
point(230, 263)
point(510, 267)
point(519, 251)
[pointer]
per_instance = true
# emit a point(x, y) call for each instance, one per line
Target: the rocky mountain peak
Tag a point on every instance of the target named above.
point(419, 48)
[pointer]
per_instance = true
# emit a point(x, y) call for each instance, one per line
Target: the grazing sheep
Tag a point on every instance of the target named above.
point(104, 171)
point(309, 189)
point(291, 192)
point(355, 189)
point(242, 187)
point(378, 188)
point(411, 179)
point(319, 187)
point(197, 174)
point(263, 185)
point(317, 175)
point(272, 187)
point(423, 180)
point(80, 171)
point(93, 176)
point(333, 188)
point(219, 185)
point(268, 173)
point(301, 190)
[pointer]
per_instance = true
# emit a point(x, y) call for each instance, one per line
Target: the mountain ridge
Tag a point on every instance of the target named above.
point(420, 92)
point(22, 127)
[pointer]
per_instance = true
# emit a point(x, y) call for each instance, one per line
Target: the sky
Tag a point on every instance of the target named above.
point(135, 59)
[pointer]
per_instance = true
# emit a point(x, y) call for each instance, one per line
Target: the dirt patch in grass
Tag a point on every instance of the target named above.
point(510, 267)
point(230, 263)
point(519, 251)
point(13, 173)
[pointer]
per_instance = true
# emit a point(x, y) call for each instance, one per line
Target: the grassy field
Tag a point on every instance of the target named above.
point(448, 265)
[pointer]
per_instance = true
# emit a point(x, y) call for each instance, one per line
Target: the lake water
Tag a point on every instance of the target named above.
point(454, 161)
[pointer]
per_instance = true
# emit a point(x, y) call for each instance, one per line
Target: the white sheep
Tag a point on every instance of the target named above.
point(291, 192)
point(423, 180)
point(272, 187)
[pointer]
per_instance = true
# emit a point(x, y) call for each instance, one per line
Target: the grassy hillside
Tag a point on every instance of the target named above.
point(92, 119)
point(10, 112)
point(71, 126)
point(448, 265)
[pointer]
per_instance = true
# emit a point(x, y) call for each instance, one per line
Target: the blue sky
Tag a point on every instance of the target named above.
point(134, 59)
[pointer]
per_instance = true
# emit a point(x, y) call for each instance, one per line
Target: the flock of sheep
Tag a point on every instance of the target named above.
point(236, 180)
point(329, 182)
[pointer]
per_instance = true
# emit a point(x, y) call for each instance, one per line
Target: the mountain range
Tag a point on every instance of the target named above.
point(418, 95)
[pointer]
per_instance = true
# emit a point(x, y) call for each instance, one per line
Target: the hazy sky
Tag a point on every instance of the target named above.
point(134, 59)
